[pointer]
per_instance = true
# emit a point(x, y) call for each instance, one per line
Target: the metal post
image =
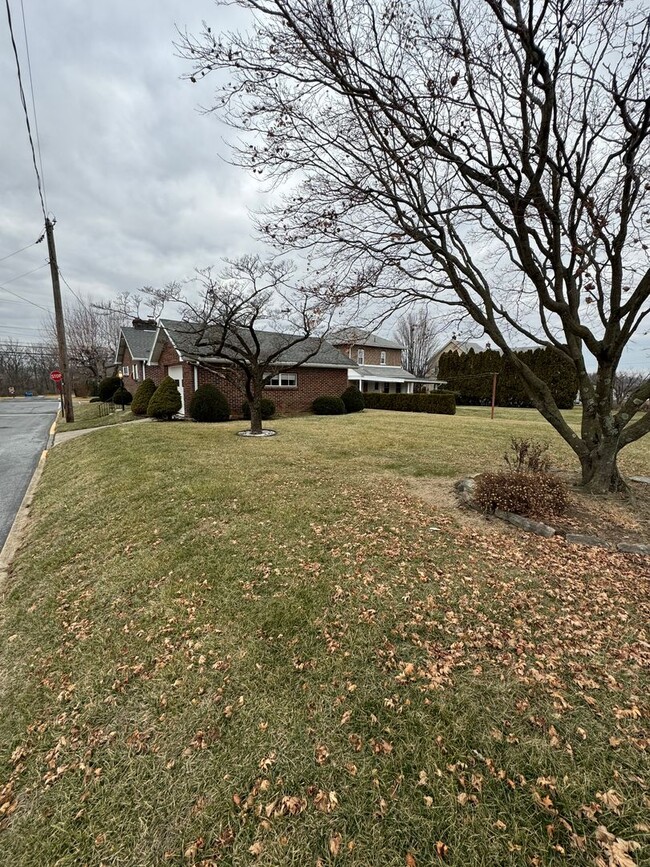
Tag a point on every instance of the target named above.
point(494, 392)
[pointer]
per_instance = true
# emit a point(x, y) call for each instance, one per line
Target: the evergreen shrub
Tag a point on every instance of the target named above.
point(143, 396)
point(165, 401)
point(208, 404)
point(328, 404)
point(438, 402)
point(107, 388)
point(122, 397)
point(353, 399)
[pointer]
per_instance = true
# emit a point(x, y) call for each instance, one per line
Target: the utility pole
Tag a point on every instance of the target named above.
point(494, 393)
point(66, 395)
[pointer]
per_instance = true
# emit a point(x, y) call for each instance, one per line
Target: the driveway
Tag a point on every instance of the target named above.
point(24, 426)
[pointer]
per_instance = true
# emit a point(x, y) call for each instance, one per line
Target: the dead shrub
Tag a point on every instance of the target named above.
point(523, 493)
point(527, 456)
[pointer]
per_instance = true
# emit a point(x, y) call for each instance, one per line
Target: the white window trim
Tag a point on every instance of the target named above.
point(280, 384)
point(382, 358)
point(361, 356)
point(136, 375)
point(125, 369)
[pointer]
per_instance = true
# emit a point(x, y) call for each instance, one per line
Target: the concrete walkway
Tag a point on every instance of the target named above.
point(66, 436)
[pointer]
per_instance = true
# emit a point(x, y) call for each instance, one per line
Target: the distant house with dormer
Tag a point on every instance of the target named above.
point(378, 363)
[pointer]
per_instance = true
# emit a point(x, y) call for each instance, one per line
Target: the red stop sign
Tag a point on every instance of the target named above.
point(56, 376)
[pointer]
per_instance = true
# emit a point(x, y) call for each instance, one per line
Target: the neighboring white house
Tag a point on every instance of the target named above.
point(379, 363)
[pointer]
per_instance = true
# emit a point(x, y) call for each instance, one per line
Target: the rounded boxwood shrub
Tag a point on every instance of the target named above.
point(268, 409)
point(107, 388)
point(165, 401)
point(353, 399)
point(122, 397)
point(329, 404)
point(209, 404)
point(143, 396)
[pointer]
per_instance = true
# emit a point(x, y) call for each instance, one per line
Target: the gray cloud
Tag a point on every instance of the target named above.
point(133, 171)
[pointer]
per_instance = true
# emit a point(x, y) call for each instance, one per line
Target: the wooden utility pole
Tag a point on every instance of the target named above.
point(494, 393)
point(68, 411)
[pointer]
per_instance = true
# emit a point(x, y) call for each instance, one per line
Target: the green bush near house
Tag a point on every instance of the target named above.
point(353, 399)
point(122, 397)
point(208, 404)
point(268, 409)
point(439, 402)
point(328, 404)
point(165, 401)
point(142, 397)
point(107, 388)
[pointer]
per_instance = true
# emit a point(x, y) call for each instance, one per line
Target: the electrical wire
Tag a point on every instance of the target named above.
point(26, 113)
point(22, 297)
point(15, 253)
point(80, 300)
point(31, 89)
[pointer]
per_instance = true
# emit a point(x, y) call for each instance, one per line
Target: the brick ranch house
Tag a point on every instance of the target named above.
point(155, 350)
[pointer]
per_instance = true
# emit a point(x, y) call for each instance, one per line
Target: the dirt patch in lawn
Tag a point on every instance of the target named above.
point(613, 518)
point(440, 493)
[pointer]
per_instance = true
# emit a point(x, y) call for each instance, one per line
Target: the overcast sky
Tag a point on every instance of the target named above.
point(134, 173)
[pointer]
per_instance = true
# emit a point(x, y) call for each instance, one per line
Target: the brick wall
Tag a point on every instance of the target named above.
point(313, 382)
point(372, 354)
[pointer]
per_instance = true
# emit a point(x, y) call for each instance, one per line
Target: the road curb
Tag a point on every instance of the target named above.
point(16, 535)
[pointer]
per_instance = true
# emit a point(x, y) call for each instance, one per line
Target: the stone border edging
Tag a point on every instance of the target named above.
point(465, 490)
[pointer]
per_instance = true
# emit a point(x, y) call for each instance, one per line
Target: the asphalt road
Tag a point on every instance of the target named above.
point(24, 426)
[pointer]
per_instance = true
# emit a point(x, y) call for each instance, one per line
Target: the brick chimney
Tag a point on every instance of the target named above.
point(145, 324)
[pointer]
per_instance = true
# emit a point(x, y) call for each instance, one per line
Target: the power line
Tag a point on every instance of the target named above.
point(15, 253)
point(31, 88)
point(70, 287)
point(25, 112)
point(22, 297)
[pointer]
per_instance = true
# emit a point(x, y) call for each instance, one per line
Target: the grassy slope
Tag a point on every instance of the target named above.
point(86, 415)
point(191, 623)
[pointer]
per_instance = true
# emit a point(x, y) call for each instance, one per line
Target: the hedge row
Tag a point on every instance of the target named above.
point(440, 402)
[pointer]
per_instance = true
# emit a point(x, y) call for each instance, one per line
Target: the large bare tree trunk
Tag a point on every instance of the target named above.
point(600, 472)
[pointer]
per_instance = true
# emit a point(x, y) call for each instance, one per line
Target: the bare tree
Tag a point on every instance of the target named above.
point(626, 382)
point(486, 155)
point(417, 333)
point(232, 319)
point(92, 332)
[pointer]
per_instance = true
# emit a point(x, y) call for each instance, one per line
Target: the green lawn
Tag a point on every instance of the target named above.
point(225, 651)
point(87, 415)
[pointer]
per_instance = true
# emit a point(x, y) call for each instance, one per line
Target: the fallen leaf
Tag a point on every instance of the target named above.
point(335, 844)
point(322, 754)
point(257, 848)
point(410, 860)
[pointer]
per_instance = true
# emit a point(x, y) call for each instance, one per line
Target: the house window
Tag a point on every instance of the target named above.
point(386, 387)
point(398, 388)
point(382, 358)
point(365, 386)
point(125, 369)
point(376, 386)
point(360, 356)
point(284, 380)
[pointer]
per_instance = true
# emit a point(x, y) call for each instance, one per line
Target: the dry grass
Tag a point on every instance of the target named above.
point(224, 651)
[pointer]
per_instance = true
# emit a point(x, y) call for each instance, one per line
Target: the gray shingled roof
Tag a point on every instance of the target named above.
point(184, 336)
point(139, 341)
point(361, 337)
